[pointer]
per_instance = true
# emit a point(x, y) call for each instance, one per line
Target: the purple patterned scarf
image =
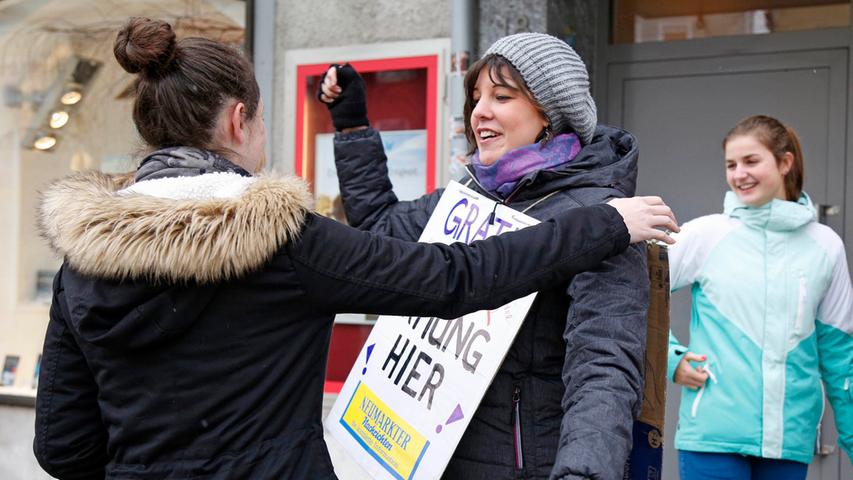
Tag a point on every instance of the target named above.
point(502, 176)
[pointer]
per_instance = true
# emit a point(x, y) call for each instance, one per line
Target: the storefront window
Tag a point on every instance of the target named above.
point(639, 21)
point(65, 105)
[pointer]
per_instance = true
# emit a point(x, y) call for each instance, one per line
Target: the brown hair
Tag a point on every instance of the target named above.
point(779, 139)
point(498, 75)
point(182, 85)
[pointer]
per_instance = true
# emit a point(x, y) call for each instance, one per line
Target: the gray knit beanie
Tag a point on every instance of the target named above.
point(556, 76)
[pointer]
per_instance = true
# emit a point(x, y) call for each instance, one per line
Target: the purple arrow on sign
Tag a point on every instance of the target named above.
point(455, 416)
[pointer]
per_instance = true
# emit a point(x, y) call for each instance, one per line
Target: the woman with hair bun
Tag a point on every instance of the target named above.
point(191, 317)
point(771, 332)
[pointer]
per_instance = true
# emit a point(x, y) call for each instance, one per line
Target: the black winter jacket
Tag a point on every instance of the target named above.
point(573, 376)
point(190, 322)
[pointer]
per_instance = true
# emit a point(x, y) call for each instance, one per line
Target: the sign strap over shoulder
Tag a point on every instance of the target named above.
point(537, 202)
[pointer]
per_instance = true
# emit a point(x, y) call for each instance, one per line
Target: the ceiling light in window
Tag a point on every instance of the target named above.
point(58, 119)
point(71, 97)
point(44, 142)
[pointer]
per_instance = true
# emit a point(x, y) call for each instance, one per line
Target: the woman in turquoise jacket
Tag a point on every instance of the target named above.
point(771, 332)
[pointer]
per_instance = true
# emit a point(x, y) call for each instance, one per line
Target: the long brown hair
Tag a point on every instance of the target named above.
point(499, 68)
point(779, 139)
point(182, 85)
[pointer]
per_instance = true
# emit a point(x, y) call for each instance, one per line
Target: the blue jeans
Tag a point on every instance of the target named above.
point(734, 466)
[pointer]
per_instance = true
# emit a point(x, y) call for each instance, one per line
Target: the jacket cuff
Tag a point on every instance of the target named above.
point(356, 135)
point(622, 239)
point(672, 359)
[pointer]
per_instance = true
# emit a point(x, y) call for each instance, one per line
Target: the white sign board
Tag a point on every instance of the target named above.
point(418, 380)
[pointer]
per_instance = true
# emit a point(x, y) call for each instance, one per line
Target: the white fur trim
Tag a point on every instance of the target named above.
point(209, 185)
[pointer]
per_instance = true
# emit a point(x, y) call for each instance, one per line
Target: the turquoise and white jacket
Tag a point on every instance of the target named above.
point(773, 312)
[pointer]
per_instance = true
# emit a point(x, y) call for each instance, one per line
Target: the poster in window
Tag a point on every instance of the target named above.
point(407, 168)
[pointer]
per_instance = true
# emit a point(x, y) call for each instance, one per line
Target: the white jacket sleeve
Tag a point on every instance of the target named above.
point(687, 258)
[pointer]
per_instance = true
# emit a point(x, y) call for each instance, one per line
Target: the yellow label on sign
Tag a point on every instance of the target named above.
point(388, 438)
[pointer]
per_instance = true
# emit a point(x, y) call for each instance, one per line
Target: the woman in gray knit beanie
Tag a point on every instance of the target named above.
point(553, 74)
point(563, 402)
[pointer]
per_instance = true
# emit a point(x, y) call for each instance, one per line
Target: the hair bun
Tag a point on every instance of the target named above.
point(145, 45)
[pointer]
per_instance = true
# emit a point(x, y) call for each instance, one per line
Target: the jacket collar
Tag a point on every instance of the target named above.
point(776, 215)
point(609, 161)
point(184, 162)
point(204, 229)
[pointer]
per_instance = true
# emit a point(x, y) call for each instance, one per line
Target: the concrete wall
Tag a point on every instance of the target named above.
point(499, 18)
point(575, 21)
point(331, 23)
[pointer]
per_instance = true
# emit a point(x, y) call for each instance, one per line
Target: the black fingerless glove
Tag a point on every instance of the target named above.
point(350, 108)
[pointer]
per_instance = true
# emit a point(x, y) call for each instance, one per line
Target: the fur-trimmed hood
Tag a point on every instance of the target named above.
point(201, 229)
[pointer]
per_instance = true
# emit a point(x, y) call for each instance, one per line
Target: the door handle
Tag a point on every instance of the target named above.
point(824, 211)
point(826, 450)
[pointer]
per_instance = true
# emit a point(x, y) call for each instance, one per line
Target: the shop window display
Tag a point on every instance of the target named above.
point(65, 105)
point(640, 21)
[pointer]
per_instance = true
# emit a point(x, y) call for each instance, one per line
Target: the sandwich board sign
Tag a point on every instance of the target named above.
point(418, 380)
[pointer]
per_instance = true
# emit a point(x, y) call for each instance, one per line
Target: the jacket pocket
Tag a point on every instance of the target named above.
point(516, 428)
point(694, 409)
point(800, 326)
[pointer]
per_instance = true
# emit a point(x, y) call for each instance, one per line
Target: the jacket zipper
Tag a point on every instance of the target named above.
point(503, 201)
point(516, 428)
point(817, 446)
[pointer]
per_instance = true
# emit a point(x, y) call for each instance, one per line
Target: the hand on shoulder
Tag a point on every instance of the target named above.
point(647, 218)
